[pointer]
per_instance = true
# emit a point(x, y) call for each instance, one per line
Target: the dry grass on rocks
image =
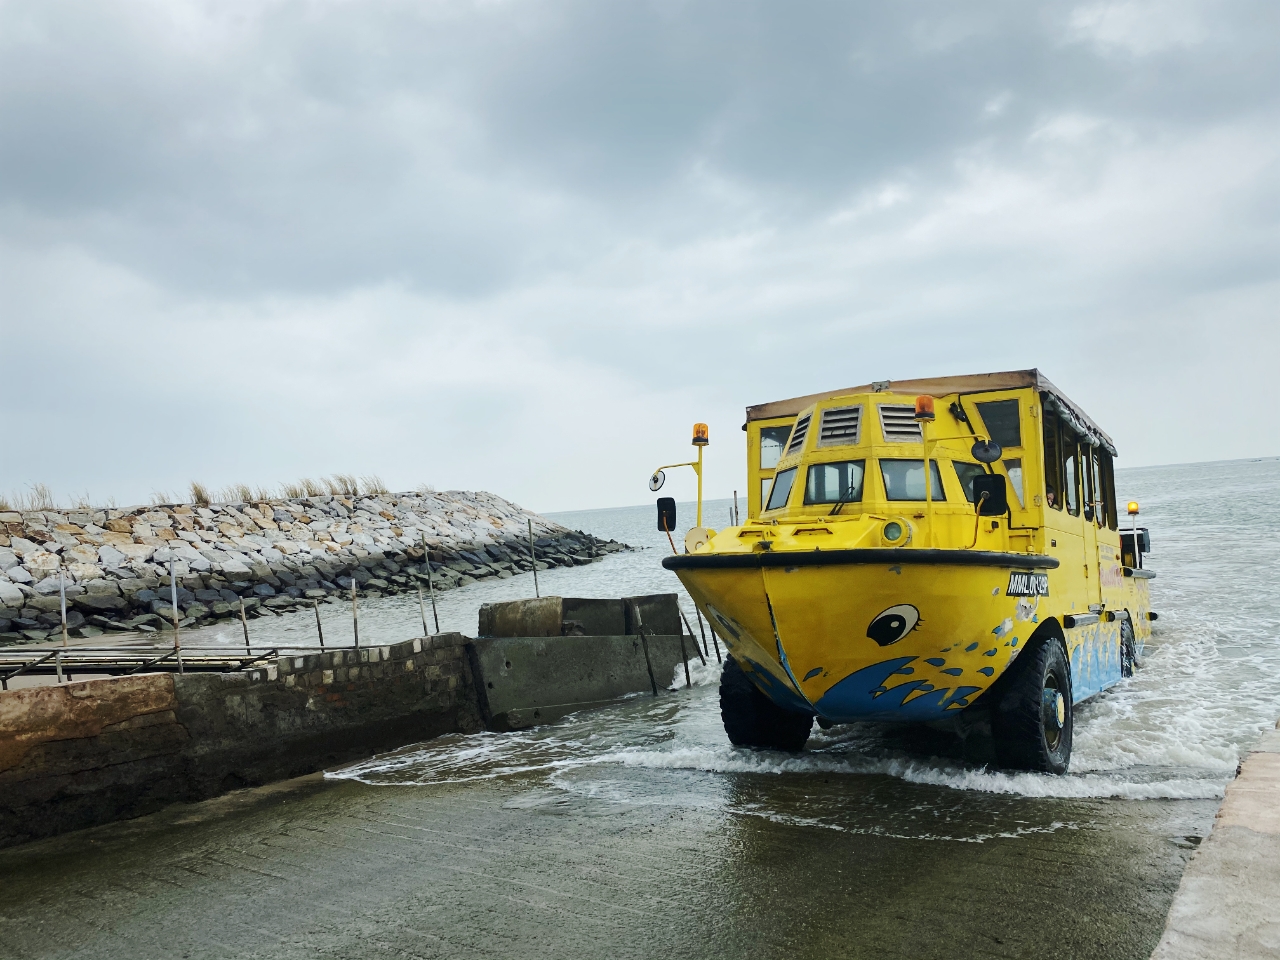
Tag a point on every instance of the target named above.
point(37, 497)
point(199, 494)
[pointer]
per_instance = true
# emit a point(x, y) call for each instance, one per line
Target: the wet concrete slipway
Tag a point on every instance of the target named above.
point(638, 832)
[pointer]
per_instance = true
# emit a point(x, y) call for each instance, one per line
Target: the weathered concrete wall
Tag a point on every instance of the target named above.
point(657, 613)
point(1228, 904)
point(530, 680)
point(84, 753)
point(555, 617)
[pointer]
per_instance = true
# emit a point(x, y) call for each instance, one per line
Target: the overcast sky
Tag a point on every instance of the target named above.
point(523, 246)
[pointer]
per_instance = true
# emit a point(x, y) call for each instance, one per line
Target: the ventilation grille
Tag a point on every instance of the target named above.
point(798, 434)
point(840, 426)
point(899, 424)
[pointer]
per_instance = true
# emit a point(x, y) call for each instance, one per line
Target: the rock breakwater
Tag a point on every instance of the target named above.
point(270, 555)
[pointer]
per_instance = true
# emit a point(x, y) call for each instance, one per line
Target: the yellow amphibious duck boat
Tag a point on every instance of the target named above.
point(918, 549)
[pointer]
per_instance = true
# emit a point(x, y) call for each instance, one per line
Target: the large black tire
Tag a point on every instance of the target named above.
point(753, 720)
point(1128, 649)
point(1031, 720)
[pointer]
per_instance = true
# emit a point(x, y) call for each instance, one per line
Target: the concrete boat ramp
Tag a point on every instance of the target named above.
point(594, 836)
point(78, 754)
point(1228, 904)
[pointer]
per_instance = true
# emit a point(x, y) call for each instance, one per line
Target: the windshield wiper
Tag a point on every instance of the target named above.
point(839, 504)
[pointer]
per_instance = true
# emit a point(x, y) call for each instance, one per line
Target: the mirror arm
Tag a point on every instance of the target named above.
point(672, 466)
point(697, 468)
point(977, 523)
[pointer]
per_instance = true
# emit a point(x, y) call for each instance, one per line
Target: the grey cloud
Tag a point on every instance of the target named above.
point(657, 206)
point(313, 147)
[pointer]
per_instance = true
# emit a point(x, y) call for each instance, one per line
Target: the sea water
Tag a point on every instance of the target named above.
point(1209, 684)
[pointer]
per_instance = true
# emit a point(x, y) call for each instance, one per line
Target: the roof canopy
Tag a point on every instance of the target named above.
point(944, 386)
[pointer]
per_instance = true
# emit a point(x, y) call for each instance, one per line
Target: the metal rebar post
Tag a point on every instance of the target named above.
point(355, 616)
point(62, 596)
point(644, 643)
point(319, 627)
point(173, 594)
point(57, 662)
point(431, 585)
point(684, 658)
point(704, 636)
point(244, 622)
point(422, 610)
point(533, 557)
point(701, 652)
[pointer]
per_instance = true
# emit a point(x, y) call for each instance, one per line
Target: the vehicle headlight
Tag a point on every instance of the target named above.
point(896, 533)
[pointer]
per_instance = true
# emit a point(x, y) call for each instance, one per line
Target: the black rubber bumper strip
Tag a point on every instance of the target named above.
point(832, 558)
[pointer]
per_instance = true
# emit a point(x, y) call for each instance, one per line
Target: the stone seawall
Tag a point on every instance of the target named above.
point(270, 554)
point(79, 754)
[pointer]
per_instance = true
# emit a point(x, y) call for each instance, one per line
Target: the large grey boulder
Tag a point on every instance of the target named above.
point(101, 602)
point(110, 556)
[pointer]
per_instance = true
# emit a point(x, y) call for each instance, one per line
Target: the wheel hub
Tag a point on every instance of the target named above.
point(1053, 708)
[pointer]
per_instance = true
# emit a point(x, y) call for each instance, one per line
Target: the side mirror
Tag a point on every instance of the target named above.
point(986, 451)
point(667, 514)
point(996, 489)
point(657, 480)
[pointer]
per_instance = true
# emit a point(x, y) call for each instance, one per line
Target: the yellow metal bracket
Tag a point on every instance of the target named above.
point(697, 468)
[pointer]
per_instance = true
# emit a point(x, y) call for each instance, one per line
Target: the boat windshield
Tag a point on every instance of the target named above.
point(904, 480)
point(839, 482)
point(782, 484)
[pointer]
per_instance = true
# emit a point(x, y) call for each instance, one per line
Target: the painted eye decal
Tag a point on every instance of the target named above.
point(894, 624)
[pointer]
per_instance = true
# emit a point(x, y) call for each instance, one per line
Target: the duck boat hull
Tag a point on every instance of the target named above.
point(873, 634)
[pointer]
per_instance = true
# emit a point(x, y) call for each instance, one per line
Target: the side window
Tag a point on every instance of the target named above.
point(772, 440)
point(1001, 419)
point(1100, 510)
point(1014, 467)
point(1053, 484)
point(782, 484)
point(967, 472)
point(1108, 487)
point(1096, 507)
point(1071, 475)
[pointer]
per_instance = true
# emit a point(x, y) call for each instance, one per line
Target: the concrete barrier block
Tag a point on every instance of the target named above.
point(539, 617)
point(658, 613)
point(552, 616)
point(596, 618)
point(527, 680)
